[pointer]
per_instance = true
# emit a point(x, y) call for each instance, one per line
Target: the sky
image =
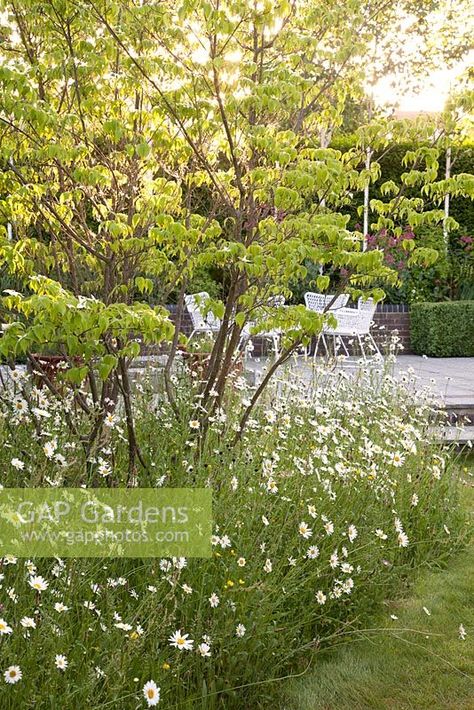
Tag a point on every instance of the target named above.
point(430, 98)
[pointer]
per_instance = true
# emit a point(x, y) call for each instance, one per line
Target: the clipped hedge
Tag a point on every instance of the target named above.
point(443, 329)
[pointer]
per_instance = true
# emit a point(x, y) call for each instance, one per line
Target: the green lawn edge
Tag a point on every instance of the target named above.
point(414, 662)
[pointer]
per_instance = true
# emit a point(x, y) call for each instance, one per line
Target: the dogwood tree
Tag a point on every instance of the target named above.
point(142, 141)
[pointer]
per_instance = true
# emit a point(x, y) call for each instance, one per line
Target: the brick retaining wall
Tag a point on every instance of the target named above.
point(389, 318)
point(186, 323)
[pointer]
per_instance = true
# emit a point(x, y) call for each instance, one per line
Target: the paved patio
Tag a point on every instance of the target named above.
point(451, 378)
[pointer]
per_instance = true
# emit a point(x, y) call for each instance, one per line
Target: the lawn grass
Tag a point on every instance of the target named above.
point(415, 662)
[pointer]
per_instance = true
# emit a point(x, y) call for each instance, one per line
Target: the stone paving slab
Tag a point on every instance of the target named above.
point(452, 379)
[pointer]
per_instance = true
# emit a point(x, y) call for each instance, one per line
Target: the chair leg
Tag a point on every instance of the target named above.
point(344, 346)
point(374, 344)
point(325, 345)
point(275, 339)
point(361, 347)
point(315, 353)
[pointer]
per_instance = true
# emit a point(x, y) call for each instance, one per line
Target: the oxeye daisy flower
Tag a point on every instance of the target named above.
point(304, 530)
point(272, 486)
point(352, 533)
point(41, 413)
point(110, 420)
point(240, 630)
point(60, 607)
point(397, 459)
point(123, 627)
point(20, 406)
point(19, 465)
point(181, 641)
point(225, 541)
point(398, 525)
point(4, 628)
point(13, 674)
point(204, 649)
point(320, 597)
point(39, 583)
point(329, 527)
point(49, 449)
point(214, 600)
point(194, 424)
point(312, 552)
point(151, 693)
point(334, 560)
point(61, 662)
point(28, 622)
point(241, 561)
point(403, 539)
point(312, 511)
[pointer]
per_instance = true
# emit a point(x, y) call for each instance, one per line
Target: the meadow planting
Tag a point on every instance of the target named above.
point(333, 496)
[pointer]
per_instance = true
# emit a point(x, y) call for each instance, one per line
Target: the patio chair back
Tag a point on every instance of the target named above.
point(366, 310)
point(195, 304)
point(319, 302)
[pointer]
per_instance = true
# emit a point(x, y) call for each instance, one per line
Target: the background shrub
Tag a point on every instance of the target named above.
point(392, 168)
point(451, 277)
point(443, 329)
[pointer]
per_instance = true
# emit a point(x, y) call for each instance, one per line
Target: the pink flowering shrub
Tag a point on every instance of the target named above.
point(451, 277)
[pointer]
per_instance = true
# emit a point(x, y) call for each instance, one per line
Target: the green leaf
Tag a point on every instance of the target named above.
point(106, 365)
point(76, 375)
point(322, 282)
point(240, 319)
point(143, 150)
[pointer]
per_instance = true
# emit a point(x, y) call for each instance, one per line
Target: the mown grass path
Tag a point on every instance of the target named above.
point(417, 661)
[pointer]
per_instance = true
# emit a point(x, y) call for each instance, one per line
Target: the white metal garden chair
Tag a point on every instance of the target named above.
point(352, 323)
point(201, 322)
point(321, 303)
